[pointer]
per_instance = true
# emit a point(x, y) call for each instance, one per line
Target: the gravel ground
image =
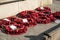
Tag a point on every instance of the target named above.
point(35, 31)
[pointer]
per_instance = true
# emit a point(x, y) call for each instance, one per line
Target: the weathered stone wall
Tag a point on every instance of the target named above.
point(13, 8)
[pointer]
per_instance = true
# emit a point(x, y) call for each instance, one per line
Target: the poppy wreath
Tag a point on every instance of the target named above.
point(44, 14)
point(30, 15)
point(57, 15)
point(13, 25)
point(19, 23)
point(43, 9)
point(25, 14)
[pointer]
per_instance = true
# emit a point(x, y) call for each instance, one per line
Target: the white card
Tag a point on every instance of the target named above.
point(6, 19)
point(42, 7)
point(57, 21)
point(13, 27)
point(25, 20)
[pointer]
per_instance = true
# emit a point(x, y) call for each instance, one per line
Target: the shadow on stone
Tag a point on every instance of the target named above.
point(46, 33)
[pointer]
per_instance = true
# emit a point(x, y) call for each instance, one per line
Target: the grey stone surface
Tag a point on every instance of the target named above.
point(35, 31)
